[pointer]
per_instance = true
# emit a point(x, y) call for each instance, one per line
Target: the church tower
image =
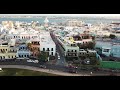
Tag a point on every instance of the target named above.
point(46, 21)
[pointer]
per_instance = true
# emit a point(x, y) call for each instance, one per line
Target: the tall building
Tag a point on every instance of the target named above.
point(46, 21)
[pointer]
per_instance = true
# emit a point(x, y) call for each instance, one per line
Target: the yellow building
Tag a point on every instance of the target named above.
point(7, 52)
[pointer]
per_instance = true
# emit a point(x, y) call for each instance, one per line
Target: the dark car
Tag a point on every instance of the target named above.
point(72, 71)
point(42, 66)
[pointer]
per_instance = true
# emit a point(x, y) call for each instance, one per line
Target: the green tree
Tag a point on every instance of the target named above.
point(91, 45)
point(93, 61)
point(29, 45)
point(43, 56)
point(112, 36)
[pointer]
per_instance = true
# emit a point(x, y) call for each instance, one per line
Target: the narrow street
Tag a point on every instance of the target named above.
point(60, 61)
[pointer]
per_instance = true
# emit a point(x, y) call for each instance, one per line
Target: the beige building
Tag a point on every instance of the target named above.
point(7, 52)
point(8, 24)
point(74, 22)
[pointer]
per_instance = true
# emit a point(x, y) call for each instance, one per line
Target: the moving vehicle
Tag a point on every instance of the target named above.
point(34, 61)
point(72, 71)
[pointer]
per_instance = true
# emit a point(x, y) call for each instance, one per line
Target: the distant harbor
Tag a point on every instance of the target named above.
point(57, 20)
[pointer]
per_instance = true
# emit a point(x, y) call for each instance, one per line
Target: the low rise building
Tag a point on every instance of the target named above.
point(23, 51)
point(7, 52)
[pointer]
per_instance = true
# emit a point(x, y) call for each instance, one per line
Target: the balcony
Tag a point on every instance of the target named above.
point(71, 54)
point(72, 51)
point(12, 51)
point(2, 51)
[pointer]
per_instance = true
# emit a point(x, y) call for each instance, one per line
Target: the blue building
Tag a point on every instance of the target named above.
point(23, 51)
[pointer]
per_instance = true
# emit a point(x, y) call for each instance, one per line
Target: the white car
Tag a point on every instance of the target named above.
point(29, 60)
point(58, 57)
point(36, 61)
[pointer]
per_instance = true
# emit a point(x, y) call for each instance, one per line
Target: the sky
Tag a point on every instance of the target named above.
point(99, 15)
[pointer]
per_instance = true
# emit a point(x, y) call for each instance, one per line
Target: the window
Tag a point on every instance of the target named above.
point(43, 49)
point(4, 57)
point(12, 56)
point(75, 50)
point(8, 56)
point(72, 51)
point(14, 36)
point(51, 49)
point(106, 50)
point(51, 53)
point(19, 55)
point(24, 55)
point(6, 49)
point(47, 49)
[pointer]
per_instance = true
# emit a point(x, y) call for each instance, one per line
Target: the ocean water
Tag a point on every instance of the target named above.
point(41, 20)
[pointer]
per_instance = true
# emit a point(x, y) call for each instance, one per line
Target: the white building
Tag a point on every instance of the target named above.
point(47, 44)
point(115, 51)
point(108, 49)
point(21, 34)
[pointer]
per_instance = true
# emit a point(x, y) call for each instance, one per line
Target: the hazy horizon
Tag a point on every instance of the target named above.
point(107, 16)
point(101, 15)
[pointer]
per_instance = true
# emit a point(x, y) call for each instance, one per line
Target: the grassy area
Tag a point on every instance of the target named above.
point(110, 64)
point(22, 72)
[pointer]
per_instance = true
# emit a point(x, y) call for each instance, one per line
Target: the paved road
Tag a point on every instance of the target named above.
point(40, 69)
point(56, 68)
point(62, 61)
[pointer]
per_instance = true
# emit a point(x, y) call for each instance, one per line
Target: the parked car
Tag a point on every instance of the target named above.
point(58, 57)
point(71, 66)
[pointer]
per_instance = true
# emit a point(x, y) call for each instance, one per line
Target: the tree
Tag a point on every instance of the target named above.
point(112, 36)
point(29, 45)
point(105, 36)
point(91, 45)
point(43, 56)
point(93, 61)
